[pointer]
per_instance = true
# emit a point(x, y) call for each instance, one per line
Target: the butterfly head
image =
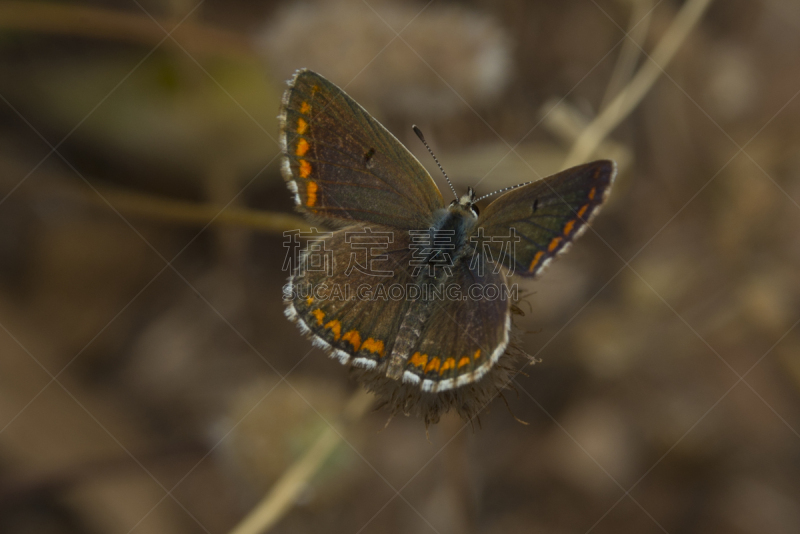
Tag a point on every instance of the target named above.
point(467, 203)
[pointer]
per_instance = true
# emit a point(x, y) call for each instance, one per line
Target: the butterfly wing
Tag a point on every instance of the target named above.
point(545, 216)
point(465, 334)
point(344, 166)
point(350, 314)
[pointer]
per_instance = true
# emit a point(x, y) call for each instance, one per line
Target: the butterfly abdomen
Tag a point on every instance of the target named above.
point(408, 337)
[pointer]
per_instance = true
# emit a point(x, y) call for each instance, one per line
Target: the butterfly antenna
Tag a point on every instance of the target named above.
point(421, 138)
point(504, 190)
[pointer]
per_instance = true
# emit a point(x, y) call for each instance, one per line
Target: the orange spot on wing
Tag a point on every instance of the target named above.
point(309, 300)
point(319, 314)
point(335, 327)
point(568, 227)
point(582, 210)
point(375, 346)
point(449, 363)
point(305, 108)
point(354, 338)
point(553, 244)
point(419, 360)
point(535, 261)
point(592, 192)
point(433, 365)
point(305, 169)
point(311, 192)
point(302, 147)
point(302, 126)
point(477, 354)
point(463, 361)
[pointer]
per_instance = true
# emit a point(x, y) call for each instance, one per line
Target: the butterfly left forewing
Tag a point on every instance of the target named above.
point(343, 166)
point(542, 219)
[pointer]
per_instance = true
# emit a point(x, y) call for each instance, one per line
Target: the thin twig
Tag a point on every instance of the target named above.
point(627, 99)
point(77, 20)
point(638, 27)
point(162, 209)
point(285, 491)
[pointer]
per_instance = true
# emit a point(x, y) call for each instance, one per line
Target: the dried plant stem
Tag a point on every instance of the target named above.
point(177, 211)
point(285, 491)
point(627, 99)
point(182, 212)
point(77, 20)
point(638, 27)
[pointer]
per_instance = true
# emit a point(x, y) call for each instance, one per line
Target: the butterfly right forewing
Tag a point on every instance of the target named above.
point(543, 218)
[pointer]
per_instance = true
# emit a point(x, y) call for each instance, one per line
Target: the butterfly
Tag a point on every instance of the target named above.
point(347, 172)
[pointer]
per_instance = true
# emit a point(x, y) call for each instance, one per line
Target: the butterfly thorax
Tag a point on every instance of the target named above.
point(457, 221)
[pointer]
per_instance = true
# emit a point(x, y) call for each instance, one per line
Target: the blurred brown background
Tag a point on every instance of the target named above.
point(142, 349)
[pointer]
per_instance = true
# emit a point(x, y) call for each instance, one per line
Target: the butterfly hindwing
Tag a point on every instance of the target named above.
point(465, 334)
point(348, 313)
point(357, 318)
point(343, 166)
point(543, 218)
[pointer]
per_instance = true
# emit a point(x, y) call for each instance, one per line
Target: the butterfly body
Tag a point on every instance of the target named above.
point(424, 327)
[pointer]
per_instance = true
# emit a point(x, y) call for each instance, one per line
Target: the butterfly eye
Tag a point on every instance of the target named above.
point(475, 210)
